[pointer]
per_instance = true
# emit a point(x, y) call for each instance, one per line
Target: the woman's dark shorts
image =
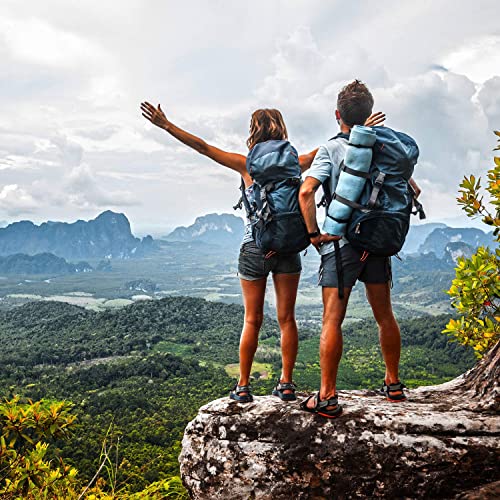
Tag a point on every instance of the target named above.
point(372, 270)
point(252, 264)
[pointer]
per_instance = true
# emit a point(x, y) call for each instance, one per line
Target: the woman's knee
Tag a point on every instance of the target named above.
point(254, 320)
point(286, 318)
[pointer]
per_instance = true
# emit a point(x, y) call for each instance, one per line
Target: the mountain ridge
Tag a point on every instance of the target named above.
point(41, 263)
point(440, 237)
point(221, 229)
point(107, 236)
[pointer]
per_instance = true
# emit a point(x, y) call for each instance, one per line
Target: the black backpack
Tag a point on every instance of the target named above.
point(380, 219)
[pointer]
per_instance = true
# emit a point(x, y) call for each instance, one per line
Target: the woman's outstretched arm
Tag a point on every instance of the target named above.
point(234, 161)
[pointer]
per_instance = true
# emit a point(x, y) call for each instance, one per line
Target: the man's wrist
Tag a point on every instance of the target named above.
point(314, 234)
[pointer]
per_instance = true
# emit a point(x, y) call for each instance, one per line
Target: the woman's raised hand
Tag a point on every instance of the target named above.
point(375, 119)
point(155, 115)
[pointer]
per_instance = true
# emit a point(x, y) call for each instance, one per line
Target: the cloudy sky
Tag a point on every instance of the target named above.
point(73, 142)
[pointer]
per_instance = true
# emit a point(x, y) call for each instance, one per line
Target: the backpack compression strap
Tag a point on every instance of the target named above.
point(265, 212)
point(339, 269)
point(377, 186)
point(326, 199)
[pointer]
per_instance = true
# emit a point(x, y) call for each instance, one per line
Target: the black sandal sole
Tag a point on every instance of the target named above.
point(304, 407)
point(391, 400)
point(325, 415)
point(284, 397)
point(241, 399)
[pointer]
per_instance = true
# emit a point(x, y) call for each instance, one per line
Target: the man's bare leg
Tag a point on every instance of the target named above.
point(330, 351)
point(379, 297)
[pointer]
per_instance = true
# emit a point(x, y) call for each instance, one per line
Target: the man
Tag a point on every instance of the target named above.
point(354, 105)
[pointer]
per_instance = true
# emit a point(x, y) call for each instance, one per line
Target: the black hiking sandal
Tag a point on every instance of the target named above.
point(320, 407)
point(388, 389)
point(238, 389)
point(280, 389)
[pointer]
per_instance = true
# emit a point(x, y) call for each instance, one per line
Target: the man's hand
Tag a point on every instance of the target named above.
point(375, 119)
point(328, 238)
point(319, 241)
point(415, 187)
point(155, 115)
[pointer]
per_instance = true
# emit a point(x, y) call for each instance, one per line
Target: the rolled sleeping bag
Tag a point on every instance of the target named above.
point(350, 186)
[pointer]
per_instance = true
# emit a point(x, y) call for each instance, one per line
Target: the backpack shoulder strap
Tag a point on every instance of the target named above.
point(326, 199)
point(340, 135)
point(243, 200)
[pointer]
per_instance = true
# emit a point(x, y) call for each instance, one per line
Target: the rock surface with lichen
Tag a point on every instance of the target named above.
point(444, 442)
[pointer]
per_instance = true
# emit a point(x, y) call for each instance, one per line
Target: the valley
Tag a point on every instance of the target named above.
point(138, 341)
point(200, 261)
point(139, 373)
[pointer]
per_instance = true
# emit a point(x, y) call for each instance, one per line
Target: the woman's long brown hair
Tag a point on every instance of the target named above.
point(266, 125)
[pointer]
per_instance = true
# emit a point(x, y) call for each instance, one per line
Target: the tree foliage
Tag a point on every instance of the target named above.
point(475, 291)
point(28, 468)
point(136, 376)
point(31, 468)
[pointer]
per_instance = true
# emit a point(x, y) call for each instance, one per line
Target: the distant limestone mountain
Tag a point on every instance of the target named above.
point(456, 249)
point(417, 235)
point(439, 238)
point(43, 263)
point(219, 229)
point(107, 236)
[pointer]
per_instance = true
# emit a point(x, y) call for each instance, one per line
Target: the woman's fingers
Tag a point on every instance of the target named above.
point(154, 115)
point(148, 108)
point(375, 119)
point(149, 112)
point(148, 105)
point(149, 116)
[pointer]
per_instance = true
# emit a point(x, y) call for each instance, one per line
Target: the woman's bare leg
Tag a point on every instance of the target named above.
point(286, 286)
point(253, 300)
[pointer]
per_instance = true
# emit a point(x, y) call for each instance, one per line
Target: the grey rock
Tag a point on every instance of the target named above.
point(442, 442)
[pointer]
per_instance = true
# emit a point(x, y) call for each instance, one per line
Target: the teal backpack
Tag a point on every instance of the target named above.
point(277, 224)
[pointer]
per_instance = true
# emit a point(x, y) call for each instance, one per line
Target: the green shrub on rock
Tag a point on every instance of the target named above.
point(475, 291)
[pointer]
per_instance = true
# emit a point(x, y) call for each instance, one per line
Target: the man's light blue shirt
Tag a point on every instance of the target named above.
point(326, 168)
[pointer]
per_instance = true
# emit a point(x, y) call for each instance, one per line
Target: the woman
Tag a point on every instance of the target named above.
point(253, 265)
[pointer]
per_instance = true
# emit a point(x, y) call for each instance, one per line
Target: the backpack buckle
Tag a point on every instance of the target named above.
point(322, 202)
point(379, 181)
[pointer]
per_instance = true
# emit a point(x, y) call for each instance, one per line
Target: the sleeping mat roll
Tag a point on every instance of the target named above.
point(350, 186)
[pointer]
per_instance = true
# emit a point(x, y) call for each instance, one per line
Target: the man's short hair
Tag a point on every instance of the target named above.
point(355, 103)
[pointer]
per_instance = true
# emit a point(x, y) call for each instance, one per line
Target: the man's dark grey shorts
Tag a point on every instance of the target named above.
point(372, 270)
point(253, 265)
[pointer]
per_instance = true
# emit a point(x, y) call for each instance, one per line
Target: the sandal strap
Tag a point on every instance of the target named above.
point(286, 386)
point(397, 386)
point(327, 402)
point(238, 389)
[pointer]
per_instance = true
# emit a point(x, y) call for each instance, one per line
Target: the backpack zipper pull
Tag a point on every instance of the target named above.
point(358, 228)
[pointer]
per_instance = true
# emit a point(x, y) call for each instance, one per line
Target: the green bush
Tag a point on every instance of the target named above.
point(475, 291)
point(28, 467)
